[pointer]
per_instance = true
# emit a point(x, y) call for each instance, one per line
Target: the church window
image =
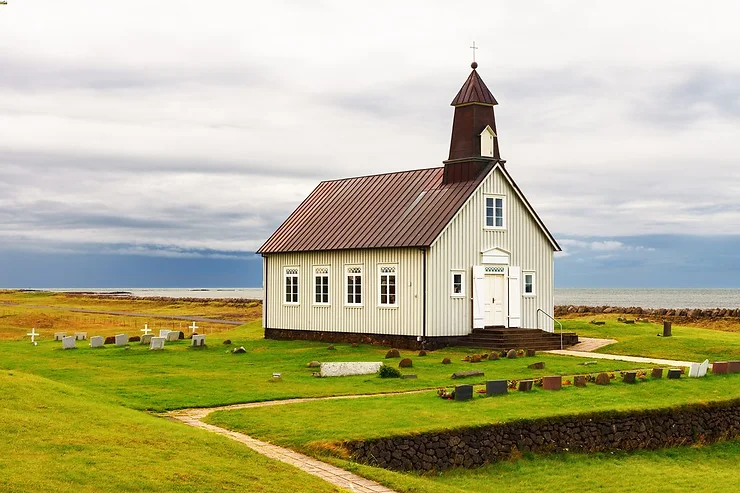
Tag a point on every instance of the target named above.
point(495, 212)
point(353, 276)
point(321, 285)
point(458, 284)
point(291, 286)
point(388, 286)
point(529, 284)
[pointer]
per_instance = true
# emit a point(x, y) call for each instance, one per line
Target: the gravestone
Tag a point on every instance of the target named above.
point(579, 380)
point(674, 374)
point(346, 369)
point(146, 339)
point(463, 392)
point(446, 361)
point(720, 367)
point(405, 363)
point(58, 336)
point(698, 370)
point(465, 374)
point(496, 387)
point(602, 379)
point(121, 339)
point(393, 353)
point(630, 377)
point(33, 335)
point(172, 336)
point(511, 354)
point(554, 382)
point(81, 336)
point(157, 343)
point(540, 365)
point(68, 342)
point(657, 373)
point(525, 385)
point(164, 332)
point(198, 341)
point(667, 329)
point(410, 376)
point(531, 352)
point(313, 364)
point(733, 366)
point(96, 341)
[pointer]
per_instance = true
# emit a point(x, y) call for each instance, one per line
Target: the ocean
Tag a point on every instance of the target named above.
point(645, 298)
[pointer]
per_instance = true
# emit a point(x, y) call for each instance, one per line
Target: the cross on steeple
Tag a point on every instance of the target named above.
point(474, 48)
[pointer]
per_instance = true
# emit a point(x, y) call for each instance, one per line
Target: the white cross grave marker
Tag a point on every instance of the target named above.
point(33, 335)
point(146, 329)
point(193, 327)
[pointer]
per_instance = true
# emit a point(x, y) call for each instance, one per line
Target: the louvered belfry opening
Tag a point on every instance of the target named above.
point(473, 112)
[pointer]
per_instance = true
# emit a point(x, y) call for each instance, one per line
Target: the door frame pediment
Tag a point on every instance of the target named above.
point(496, 255)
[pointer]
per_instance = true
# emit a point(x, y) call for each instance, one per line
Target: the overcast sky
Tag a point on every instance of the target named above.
point(192, 129)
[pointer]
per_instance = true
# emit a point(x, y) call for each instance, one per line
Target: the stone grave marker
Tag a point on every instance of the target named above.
point(172, 336)
point(733, 366)
point(121, 339)
point(465, 374)
point(497, 387)
point(698, 370)
point(657, 373)
point(409, 376)
point(193, 328)
point(81, 336)
point(146, 339)
point(531, 352)
point(602, 379)
point(146, 330)
point(674, 373)
point(554, 382)
point(345, 369)
point(540, 365)
point(579, 380)
point(463, 392)
point(720, 367)
point(525, 385)
point(96, 341)
point(68, 342)
point(58, 336)
point(33, 334)
point(630, 377)
point(667, 329)
point(157, 343)
point(198, 341)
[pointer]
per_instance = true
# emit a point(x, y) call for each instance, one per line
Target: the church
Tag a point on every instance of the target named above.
point(421, 258)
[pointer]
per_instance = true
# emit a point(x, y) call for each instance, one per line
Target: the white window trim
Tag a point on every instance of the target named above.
point(395, 273)
point(503, 206)
point(526, 273)
point(461, 294)
point(285, 276)
point(363, 293)
point(315, 275)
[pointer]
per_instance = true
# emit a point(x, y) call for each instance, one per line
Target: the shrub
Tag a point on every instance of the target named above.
point(389, 372)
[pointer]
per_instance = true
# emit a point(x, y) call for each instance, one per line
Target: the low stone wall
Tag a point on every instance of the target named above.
point(596, 432)
point(689, 313)
point(400, 342)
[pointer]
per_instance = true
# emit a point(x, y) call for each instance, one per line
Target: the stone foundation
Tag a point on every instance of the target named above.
point(394, 341)
point(596, 432)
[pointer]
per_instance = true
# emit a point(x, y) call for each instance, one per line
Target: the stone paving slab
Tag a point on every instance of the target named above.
point(591, 344)
point(619, 357)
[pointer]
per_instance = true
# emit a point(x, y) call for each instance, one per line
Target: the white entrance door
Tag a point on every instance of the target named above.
point(493, 304)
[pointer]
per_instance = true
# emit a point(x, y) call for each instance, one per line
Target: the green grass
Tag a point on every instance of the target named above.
point(710, 468)
point(58, 438)
point(181, 376)
point(311, 426)
point(640, 339)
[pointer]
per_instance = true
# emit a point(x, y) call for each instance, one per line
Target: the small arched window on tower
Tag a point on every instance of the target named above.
point(486, 141)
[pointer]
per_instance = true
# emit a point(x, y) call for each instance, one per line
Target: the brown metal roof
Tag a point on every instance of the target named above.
point(406, 209)
point(474, 91)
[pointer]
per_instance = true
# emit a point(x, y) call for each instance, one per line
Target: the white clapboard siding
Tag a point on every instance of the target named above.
point(515, 296)
point(479, 288)
point(459, 246)
point(370, 318)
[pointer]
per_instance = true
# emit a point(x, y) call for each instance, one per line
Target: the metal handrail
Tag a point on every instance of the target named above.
point(554, 320)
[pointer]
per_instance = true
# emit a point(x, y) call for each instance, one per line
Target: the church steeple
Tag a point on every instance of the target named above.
point(474, 139)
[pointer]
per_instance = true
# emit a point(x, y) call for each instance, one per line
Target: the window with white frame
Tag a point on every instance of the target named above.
point(387, 285)
point(495, 211)
point(353, 276)
point(528, 284)
point(457, 278)
point(321, 285)
point(291, 286)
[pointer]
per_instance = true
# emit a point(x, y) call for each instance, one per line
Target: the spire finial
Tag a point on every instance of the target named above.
point(474, 65)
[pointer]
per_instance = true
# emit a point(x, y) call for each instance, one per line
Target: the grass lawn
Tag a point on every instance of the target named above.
point(687, 343)
point(58, 438)
point(320, 425)
point(181, 376)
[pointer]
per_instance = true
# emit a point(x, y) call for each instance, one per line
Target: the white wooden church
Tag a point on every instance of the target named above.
point(433, 254)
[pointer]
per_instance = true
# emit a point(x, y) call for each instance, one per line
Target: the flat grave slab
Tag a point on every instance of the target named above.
point(68, 342)
point(674, 373)
point(157, 343)
point(97, 341)
point(465, 374)
point(81, 336)
point(497, 387)
point(121, 339)
point(58, 336)
point(349, 368)
point(198, 341)
point(733, 366)
point(463, 392)
point(409, 376)
point(553, 382)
